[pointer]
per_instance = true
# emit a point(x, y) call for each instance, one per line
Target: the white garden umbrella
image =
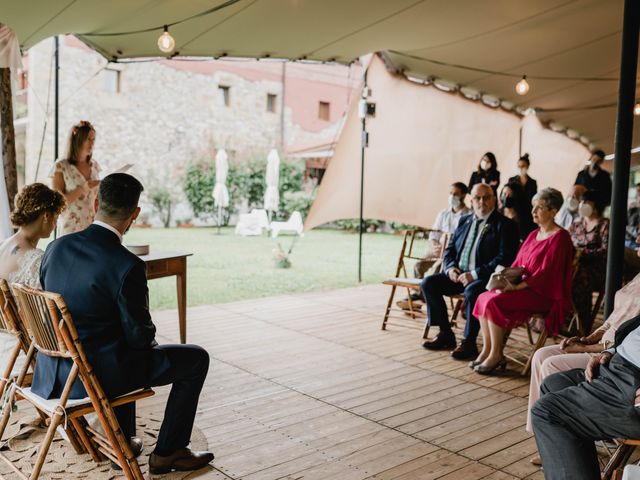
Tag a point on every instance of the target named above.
point(271, 194)
point(220, 192)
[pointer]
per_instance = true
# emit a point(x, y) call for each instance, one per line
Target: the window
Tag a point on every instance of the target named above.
point(112, 80)
point(271, 102)
point(223, 96)
point(324, 111)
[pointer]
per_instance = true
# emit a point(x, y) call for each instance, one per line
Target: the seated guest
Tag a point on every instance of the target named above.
point(580, 406)
point(105, 288)
point(528, 184)
point(446, 222)
point(595, 178)
point(575, 352)
point(514, 205)
point(482, 241)
point(632, 234)
point(35, 215)
point(569, 211)
point(487, 172)
point(590, 235)
point(546, 257)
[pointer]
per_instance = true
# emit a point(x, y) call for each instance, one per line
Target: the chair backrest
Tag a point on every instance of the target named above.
point(295, 221)
point(261, 215)
point(414, 247)
point(9, 316)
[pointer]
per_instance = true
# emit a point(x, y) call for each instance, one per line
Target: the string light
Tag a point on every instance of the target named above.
point(166, 43)
point(636, 109)
point(522, 87)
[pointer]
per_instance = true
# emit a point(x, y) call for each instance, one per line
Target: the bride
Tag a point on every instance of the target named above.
point(36, 211)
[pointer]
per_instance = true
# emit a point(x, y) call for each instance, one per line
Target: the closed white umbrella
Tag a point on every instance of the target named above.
point(220, 192)
point(271, 194)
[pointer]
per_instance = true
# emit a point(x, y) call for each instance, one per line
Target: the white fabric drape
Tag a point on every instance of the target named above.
point(220, 192)
point(272, 194)
point(9, 49)
point(420, 142)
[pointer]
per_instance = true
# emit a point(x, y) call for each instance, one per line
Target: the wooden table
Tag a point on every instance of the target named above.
point(166, 264)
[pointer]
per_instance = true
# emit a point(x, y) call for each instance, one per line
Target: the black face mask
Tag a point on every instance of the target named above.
point(507, 202)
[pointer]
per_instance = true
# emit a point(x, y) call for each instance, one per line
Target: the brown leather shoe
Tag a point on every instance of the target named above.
point(465, 351)
point(536, 461)
point(182, 460)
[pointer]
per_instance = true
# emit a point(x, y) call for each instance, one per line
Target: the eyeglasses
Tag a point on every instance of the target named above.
point(477, 198)
point(538, 208)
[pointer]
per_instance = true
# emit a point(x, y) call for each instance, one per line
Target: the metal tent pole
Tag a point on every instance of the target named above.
point(364, 142)
point(623, 139)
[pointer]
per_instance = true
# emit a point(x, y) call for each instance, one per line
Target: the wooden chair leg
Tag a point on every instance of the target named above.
point(410, 300)
point(619, 458)
point(79, 428)
point(56, 420)
point(388, 310)
point(542, 338)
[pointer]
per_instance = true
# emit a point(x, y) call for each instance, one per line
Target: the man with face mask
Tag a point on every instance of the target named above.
point(105, 288)
point(569, 211)
point(446, 222)
point(593, 177)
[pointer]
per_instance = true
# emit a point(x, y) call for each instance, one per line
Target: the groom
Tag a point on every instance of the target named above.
point(105, 288)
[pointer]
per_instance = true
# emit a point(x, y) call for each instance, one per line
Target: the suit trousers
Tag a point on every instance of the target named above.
point(573, 413)
point(188, 369)
point(435, 287)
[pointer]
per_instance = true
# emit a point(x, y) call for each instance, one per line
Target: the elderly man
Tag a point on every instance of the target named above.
point(569, 211)
point(482, 241)
point(580, 406)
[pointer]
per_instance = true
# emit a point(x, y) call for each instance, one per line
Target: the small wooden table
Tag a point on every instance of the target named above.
point(165, 264)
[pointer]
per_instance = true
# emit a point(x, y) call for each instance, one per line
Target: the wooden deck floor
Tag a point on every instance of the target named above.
point(308, 386)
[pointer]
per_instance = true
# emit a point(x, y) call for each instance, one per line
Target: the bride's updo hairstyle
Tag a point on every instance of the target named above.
point(34, 200)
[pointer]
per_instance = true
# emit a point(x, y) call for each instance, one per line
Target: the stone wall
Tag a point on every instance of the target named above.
point(162, 118)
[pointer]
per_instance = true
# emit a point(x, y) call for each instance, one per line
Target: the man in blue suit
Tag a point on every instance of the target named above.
point(482, 241)
point(105, 288)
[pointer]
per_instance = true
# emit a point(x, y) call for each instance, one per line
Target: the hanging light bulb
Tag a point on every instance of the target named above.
point(166, 42)
point(522, 87)
point(636, 109)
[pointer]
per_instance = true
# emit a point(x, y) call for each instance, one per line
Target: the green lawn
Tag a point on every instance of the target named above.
point(227, 267)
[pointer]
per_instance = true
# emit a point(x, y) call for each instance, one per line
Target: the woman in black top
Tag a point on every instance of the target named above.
point(487, 172)
point(528, 184)
point(513, 204)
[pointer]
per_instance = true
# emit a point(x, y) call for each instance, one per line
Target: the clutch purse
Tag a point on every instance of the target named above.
point(505, 276)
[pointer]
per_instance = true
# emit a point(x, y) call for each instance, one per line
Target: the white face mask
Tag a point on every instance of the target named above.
point(523, 171)
point(573, 203)
point(454, 202)
point(485, 165)
point(585, 210)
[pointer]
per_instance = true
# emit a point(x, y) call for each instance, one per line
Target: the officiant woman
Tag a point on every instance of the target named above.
point(76, 176)
point(546, 256)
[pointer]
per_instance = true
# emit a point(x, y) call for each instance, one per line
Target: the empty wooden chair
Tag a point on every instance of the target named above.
point(620, 457)
point(413, 249)
point(54, 334)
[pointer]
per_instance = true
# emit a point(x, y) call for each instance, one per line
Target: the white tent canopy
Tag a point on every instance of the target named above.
point(421, 141)
point(569, 50)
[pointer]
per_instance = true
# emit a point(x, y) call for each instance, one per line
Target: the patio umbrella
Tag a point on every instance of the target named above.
point(220, 192)
point(271, 194)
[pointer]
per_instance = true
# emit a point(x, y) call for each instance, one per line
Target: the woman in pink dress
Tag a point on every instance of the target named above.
point(546, 256)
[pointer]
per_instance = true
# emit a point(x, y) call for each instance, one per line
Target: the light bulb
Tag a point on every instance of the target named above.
point(166, 42)
point(636, 109)
point(522, 87)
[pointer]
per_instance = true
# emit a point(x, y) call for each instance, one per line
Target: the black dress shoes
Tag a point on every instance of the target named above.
point(465, 351)
point(136, 447)
point(441, 342)
point(182, 460)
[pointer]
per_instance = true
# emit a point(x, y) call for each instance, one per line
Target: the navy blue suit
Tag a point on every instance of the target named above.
point(105, 288)
point(498, 245)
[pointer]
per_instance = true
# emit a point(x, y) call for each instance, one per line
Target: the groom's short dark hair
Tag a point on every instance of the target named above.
point(118, 195)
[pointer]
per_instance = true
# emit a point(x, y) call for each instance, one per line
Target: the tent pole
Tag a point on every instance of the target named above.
point(56, 92)
point(623, 139)
point(363, 144)
point(8, 136)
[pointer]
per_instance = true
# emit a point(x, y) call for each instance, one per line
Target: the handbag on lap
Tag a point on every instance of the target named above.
point(503, 277)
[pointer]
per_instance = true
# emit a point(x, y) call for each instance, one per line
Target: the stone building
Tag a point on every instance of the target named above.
point(160, 115)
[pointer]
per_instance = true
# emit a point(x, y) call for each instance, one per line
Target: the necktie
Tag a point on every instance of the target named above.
point(468, 245)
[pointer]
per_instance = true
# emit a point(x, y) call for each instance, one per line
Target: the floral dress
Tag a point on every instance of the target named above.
point(79, 214)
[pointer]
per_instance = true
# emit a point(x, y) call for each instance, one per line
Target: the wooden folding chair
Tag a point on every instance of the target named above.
point(54, 334)
point(620, 457)
point(411, 242)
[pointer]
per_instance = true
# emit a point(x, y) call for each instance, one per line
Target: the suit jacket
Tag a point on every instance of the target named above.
point(105, 288)
point(498, 244)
